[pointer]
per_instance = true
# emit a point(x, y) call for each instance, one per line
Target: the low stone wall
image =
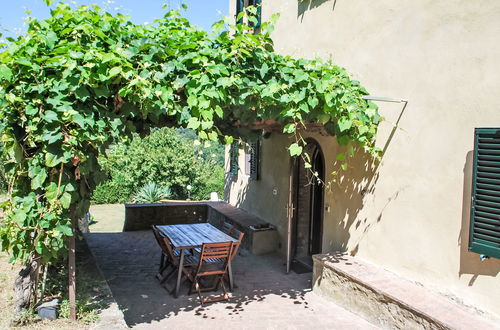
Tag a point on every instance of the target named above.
point(364, 301)
point(143, 216)
point(260, 238)
point(386, 299)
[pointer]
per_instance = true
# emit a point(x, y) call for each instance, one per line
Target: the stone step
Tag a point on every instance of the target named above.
point(388, 300)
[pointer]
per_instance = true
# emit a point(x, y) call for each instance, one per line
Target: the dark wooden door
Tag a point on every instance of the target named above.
point(308, 214)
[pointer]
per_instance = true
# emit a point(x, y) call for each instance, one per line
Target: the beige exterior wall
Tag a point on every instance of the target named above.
point(411, 214)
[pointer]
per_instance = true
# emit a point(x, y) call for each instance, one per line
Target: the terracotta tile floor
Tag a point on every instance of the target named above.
point(266, 297)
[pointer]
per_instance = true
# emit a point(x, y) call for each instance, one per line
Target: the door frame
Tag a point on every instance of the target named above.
point(292, 205)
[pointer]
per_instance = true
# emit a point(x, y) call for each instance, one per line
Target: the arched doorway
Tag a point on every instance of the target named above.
point(308, 197)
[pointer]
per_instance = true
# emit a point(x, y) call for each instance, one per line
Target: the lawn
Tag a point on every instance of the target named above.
point(107, 218)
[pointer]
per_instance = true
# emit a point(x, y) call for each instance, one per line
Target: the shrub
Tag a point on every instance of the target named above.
point(152, 193)
point(115, 190)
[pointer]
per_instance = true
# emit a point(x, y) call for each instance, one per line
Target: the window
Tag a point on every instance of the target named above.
point(252, 158)
point(241, 4)
point(484, 235)
point(233, 158)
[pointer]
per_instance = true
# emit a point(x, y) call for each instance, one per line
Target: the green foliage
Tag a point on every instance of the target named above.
point(207, 151)
point(85, 311)
point(152, 193)
point(211, 179)
point(115, 190)
point(83, 79)
point(88, 300)
point(164, 157)
point(3, 177)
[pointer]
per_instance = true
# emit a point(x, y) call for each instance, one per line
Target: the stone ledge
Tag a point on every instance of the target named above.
point(387, 300)
point(260, 237)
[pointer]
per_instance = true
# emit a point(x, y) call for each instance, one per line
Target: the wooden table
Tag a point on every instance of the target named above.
point(184, 237)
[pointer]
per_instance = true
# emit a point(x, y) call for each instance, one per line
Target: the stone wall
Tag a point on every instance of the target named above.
point(260, 237)
point(143, 216)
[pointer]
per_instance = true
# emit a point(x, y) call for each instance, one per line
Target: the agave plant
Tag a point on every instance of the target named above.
point(152, 193)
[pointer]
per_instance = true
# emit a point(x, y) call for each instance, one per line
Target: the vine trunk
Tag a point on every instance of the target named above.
point(24, 289)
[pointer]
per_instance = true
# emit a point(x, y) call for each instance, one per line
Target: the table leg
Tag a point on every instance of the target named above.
point(230, 271)
point(179, 275)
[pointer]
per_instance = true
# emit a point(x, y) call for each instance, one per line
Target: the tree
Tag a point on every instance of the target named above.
point(164, 157)
point(82, 79)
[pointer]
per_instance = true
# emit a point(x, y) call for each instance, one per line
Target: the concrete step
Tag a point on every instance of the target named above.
point(388, 300)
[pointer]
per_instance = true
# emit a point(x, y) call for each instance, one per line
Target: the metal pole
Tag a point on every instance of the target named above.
point(383, 99)
point(289, 214)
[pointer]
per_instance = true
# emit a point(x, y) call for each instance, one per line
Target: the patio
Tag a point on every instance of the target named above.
point(266, 297)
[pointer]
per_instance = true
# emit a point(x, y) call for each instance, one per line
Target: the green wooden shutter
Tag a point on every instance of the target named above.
point(239, 8)
point(484, 235)
point(240, 5)
point(233, 158)
point(254, 160)
point(258, 4)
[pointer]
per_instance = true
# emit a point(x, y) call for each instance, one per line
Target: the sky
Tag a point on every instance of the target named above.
point(202, 13)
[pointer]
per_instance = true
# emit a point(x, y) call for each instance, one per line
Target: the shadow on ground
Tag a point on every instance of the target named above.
point(265, 296)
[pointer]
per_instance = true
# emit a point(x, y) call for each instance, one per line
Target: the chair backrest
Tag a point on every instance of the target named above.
point(165, 245)
point(235, 233)
point(215, 251)
point(227, 228)
point(173, 258)
point(159, 239)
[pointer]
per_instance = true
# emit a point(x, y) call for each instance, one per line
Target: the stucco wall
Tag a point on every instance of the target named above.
point(411, 214)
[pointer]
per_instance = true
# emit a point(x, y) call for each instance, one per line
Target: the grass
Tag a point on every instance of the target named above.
point(8, 273)
point(90, 296)
point(107, 218)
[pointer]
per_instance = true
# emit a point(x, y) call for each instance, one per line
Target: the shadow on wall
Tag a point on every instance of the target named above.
point(354, 184)
point(229, 180)
point(305, 5)
point(348, 194)
point(469, 261)
point(348, 199)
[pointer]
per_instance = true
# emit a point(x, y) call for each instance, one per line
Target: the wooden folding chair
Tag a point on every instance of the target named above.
point(227, 229)
point(164, 262)
point(174, 256)
point(235, 233)
point(214, 260)
point(171, 257)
